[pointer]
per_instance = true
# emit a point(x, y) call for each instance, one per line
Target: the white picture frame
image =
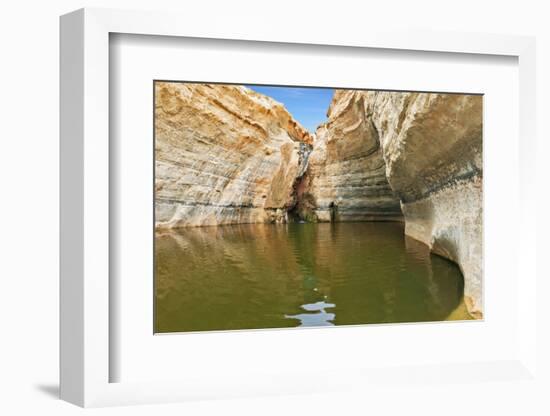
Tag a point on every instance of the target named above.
point(85, 266)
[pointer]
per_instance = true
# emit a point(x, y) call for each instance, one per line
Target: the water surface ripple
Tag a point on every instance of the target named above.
point(275, 276)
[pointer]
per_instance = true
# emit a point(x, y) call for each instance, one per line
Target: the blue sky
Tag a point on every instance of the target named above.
point(307, 105)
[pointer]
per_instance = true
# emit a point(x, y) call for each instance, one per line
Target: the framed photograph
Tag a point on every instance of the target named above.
point(235, 224)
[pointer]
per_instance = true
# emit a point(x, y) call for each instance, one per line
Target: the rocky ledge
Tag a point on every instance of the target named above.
point(224, 154)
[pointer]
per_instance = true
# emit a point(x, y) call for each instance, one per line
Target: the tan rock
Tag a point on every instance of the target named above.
point(224, 154)
point(346, 175)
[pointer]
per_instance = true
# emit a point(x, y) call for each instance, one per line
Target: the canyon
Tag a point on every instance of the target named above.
point(228, 155)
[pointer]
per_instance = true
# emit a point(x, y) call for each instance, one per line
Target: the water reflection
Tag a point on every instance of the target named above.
point(319, 318)
point(273, 276)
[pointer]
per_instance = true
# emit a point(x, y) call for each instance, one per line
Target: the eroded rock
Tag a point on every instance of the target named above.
point(346, 176)
point(224, 154)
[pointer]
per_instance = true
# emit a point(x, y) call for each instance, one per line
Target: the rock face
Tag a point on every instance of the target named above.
point(346, 176)
point(432, 148)
point(224, 154)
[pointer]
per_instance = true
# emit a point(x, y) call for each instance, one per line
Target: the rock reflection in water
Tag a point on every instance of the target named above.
point(276, 276)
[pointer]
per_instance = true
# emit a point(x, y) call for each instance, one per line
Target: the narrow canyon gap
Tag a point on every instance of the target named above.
point(227, 155)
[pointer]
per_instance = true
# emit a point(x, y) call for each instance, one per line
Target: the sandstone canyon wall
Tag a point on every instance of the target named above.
point(224, 154)
point(346, 176)
point(424, 150)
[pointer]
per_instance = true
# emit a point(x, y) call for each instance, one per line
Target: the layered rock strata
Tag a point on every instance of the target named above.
point(432, 148)
point(346, 176)
point(224, 154)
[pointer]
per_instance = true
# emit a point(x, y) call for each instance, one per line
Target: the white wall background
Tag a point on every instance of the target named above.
point(29, 57)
